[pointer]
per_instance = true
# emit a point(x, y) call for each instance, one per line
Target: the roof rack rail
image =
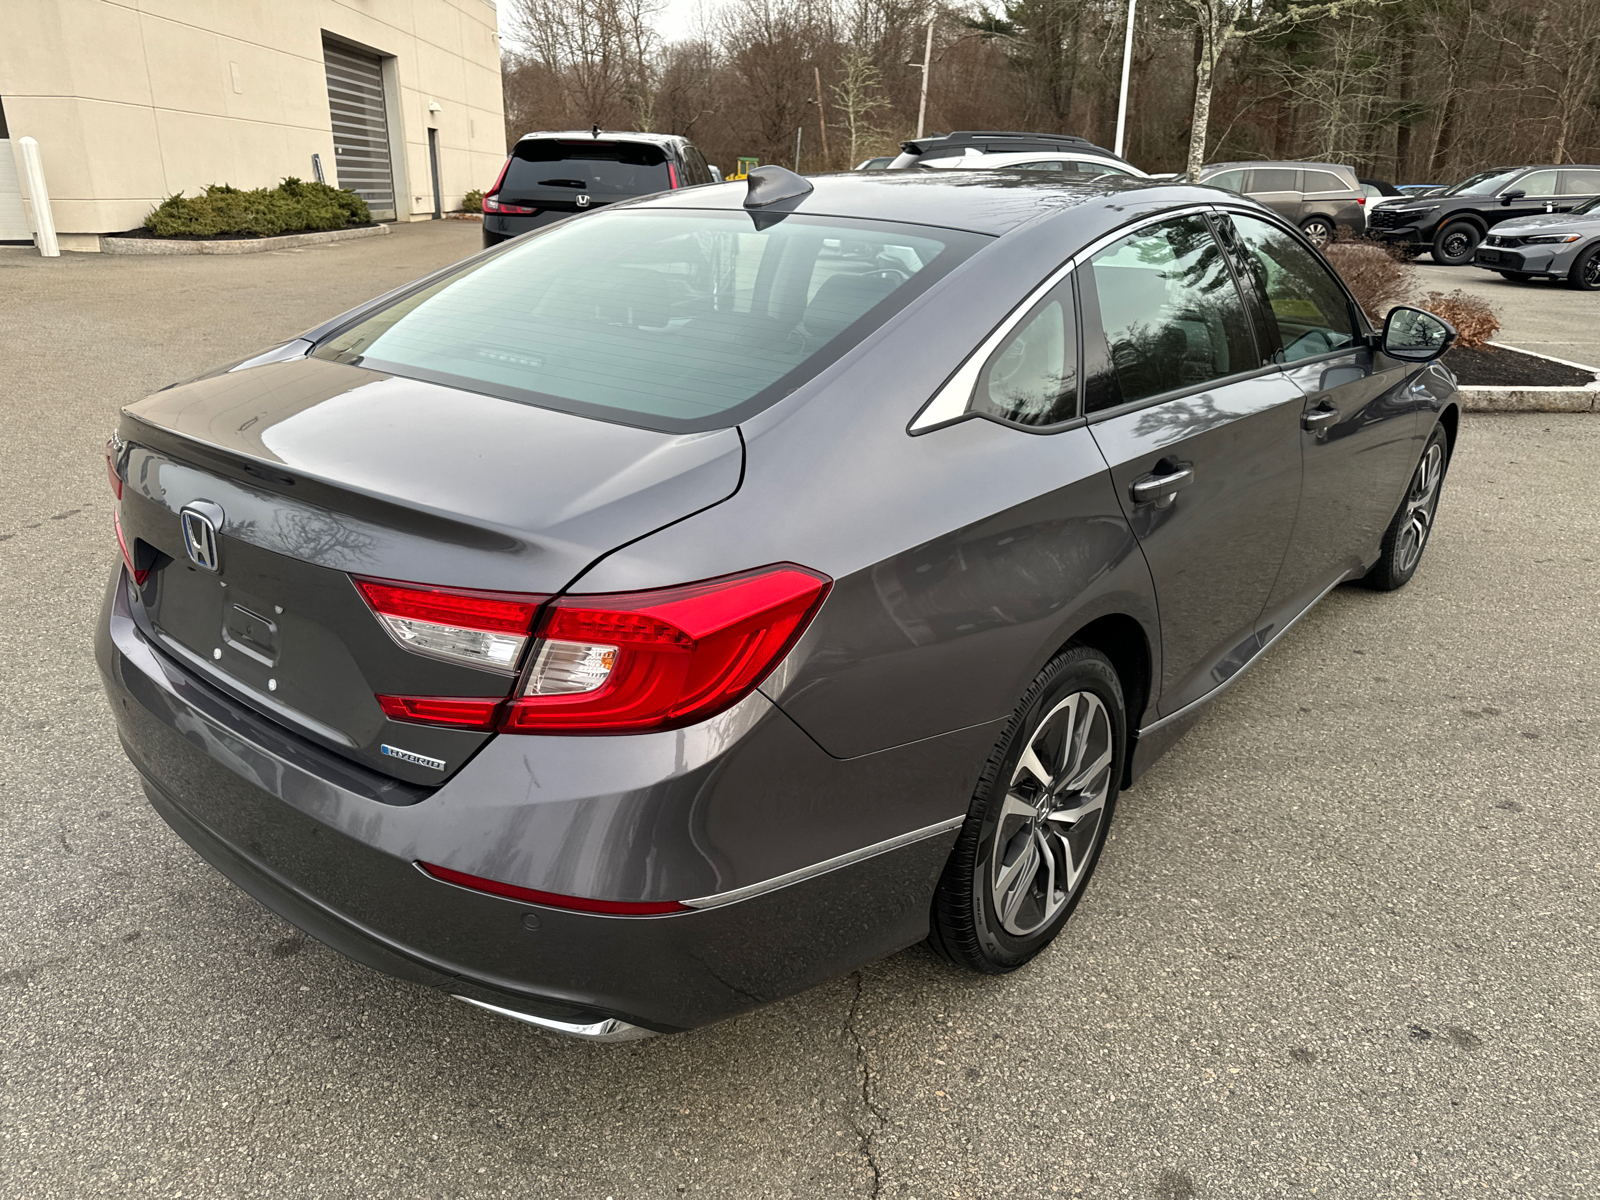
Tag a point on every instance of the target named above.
point(999, 140)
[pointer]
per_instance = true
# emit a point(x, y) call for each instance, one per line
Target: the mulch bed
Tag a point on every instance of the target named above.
point(142, 232)
point(1490, 367)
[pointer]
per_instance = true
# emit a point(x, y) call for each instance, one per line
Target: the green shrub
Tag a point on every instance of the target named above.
point(473, 201)
point(294, 206)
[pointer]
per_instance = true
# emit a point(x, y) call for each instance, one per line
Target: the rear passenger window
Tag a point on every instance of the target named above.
point(1321, 181)
point(1308, 312)
point(1032, 379)
point(1580, 183)
point(1054, 167)
point(1233, 181)
point(1169, 310)
point(1274, 179)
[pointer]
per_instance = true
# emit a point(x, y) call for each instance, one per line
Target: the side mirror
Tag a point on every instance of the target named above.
point(1513, 194)
point(1411, 335)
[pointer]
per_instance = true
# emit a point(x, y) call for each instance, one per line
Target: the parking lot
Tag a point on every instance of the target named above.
point(1342, 943)
point(1542, 315)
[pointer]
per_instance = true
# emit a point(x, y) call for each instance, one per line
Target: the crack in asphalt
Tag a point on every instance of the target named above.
point(865, 1130)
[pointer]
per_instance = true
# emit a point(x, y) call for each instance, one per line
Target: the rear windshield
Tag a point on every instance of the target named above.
point(598, 168)
point(673, 320)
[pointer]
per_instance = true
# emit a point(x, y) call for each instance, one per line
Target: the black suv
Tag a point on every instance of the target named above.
point(1451, 223)
point(554, 175)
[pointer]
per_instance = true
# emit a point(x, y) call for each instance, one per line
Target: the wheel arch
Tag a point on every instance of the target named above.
point(1450, 418)
point(1122, 639)
point(1466, 214)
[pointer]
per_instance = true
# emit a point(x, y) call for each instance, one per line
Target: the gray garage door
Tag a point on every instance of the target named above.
point(360, 126)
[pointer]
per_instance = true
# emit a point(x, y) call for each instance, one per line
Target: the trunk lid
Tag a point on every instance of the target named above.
point(313, 472)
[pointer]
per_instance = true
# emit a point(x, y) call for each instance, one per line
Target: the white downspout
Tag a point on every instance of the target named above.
point(43, 221)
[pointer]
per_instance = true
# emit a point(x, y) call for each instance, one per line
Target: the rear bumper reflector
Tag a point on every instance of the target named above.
point(510, 891)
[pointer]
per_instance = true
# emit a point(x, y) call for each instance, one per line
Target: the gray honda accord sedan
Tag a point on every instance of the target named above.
point(670, 609)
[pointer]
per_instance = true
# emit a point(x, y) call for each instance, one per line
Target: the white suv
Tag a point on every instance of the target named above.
point(1059, 155)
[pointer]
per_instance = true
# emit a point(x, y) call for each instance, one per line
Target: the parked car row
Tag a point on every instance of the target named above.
point(553, 175)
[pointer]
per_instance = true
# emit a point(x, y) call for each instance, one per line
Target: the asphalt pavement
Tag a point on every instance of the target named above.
point(1540, 315)
point(1342, 944)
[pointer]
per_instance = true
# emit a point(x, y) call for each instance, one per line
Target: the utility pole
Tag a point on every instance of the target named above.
point(798, 130)
point(822, 120)
point(927, 62)
point(1127, 69)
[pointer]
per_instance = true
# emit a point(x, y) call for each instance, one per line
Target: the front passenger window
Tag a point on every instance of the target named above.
point(1308, 313)
point(1540, 183)
point(1170, 312)
point(1032, 378)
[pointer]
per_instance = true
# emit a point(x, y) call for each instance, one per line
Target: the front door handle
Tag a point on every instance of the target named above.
point(1319, 419)
point(1162, 489)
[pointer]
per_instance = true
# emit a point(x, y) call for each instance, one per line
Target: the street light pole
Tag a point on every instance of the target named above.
point(927, 61)
point(1127, 67)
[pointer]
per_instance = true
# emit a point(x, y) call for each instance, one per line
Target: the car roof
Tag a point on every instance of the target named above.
point(979, 201)
point(605, 135)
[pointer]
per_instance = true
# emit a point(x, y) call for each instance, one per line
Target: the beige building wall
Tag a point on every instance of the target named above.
point(132, 100)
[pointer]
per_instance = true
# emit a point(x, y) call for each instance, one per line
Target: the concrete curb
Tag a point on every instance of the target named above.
point(1534, 399)
point(164, 246)
point(1531, 399)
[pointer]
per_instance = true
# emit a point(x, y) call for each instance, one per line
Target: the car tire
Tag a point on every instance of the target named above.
point(1407, 535)
point(1319, 231)
point(1028, 847)
point(1516, 276)
point(1455, 244)
point(1585, 273)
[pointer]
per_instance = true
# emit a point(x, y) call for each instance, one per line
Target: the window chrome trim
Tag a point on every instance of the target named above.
point(950, 403)
point(822, 868)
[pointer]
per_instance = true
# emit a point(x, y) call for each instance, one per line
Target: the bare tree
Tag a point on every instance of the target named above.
point(1218, 23)
point(858, 95)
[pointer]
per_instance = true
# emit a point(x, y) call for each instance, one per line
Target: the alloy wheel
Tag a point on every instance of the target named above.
point(1052, 815)
point(1318, 233)
point(1591, 271)
point(1421, 502)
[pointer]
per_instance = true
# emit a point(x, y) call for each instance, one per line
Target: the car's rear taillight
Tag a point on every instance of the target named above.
point(614, 908)
point(493, 204)
point(672, 176)
point(111, 469)
point(661, 659)
point(472, 628)
point(139, 574)
point(1361, 200)
point(458, 712)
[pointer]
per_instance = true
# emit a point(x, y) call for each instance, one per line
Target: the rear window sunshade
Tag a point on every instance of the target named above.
point(673, 320)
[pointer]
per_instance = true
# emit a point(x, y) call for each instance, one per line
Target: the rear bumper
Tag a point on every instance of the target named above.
point(717, 814)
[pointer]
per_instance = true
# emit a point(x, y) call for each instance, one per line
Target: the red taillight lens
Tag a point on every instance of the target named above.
point(618, 908)
point(111, 470)
point(658, 660)
point(459, 712)
point(473, 628)
point(493, 204)
point(127, 557)
point(672, 175)
point(1361, 200)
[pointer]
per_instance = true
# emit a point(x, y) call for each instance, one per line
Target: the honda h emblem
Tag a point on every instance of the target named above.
point(583, 200)
point(200, 523)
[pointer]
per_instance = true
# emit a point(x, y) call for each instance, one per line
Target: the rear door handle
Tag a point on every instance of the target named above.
point(1319, 419)
point(1161, 489)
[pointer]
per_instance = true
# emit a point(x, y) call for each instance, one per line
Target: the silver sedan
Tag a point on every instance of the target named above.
point(1553, 246)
